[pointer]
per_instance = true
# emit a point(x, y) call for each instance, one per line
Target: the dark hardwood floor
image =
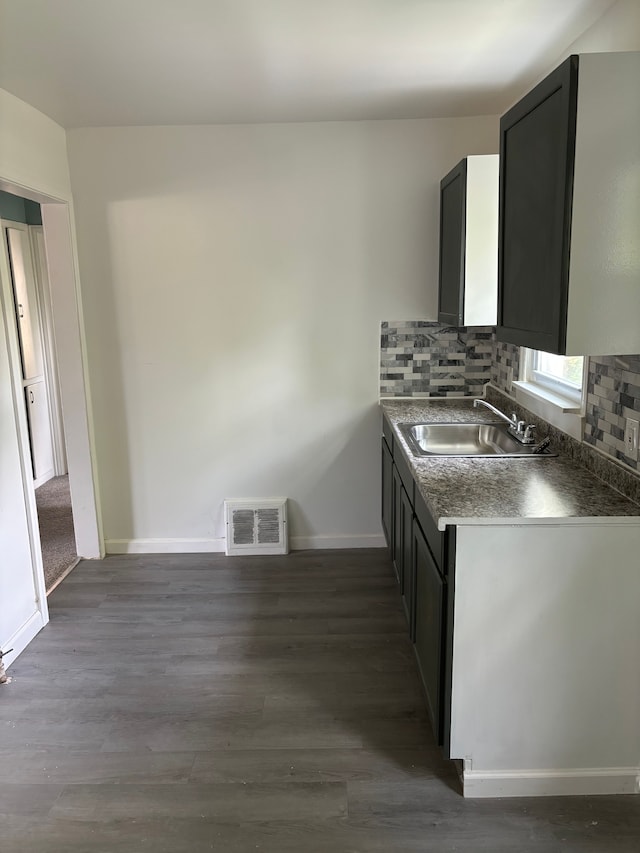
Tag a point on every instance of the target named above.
point(179, 704)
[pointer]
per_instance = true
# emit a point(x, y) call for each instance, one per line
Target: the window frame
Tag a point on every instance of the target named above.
point(557, 386)
point(556, 402)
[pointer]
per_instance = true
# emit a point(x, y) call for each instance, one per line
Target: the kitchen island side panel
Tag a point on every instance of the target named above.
point(546, 648)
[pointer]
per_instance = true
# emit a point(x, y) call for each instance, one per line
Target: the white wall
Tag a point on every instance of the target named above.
point(234, 278)
point(617, 29)
point(32, 151)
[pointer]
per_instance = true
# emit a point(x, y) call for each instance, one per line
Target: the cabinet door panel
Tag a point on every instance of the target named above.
point(452, 243)
point(409, 594)
point(537, 147)
point(429, 589)
point(387, 492)
point(406, 524)
point(396, 534)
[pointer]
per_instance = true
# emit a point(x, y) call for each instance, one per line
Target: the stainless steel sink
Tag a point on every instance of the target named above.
point(485, 439)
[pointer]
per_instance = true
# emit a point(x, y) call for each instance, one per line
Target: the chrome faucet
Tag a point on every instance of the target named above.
point(520, 430)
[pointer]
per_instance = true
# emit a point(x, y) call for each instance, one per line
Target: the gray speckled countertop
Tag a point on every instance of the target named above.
point(483, 491)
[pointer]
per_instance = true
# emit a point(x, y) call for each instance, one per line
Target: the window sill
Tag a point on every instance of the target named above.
point(561, 412)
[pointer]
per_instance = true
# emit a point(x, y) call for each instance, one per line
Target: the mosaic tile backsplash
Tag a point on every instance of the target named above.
point(420, 358)
point(613, 395)
point(427, 359)
point(506, 365)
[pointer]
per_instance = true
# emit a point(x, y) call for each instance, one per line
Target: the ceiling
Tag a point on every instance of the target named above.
point(144, 62)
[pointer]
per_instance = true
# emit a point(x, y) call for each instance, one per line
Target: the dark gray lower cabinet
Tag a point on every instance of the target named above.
point(423, 559)
point(429, 625)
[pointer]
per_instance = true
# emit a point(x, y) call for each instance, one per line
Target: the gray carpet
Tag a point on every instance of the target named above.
point(56, 528)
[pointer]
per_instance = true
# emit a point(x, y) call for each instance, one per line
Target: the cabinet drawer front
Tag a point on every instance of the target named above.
point(435, 538)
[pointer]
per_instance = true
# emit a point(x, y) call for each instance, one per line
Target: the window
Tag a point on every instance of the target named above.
point(560, 374)
point(552, 386)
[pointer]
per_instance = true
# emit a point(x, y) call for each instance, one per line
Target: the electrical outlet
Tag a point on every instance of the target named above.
point(631, 434)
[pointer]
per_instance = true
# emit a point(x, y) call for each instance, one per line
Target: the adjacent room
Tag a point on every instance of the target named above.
point(319, 443)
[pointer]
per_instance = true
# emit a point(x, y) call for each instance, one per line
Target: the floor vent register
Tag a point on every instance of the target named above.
point(256, 526)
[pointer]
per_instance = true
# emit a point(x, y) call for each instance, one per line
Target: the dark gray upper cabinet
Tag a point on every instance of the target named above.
point(569, 224)
point(467, 293)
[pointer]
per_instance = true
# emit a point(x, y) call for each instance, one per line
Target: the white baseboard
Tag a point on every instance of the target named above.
point(22, 637)
point(551, 783)
point(164, 546)
point(203, 546)
point(316, 543)
point(44, 478)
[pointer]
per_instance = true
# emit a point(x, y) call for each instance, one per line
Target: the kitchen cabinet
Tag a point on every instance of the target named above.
point(468, 269)
point(429, 618)
point(569, 210)
point(522, 572)
point(418, 550)
point(397, 524)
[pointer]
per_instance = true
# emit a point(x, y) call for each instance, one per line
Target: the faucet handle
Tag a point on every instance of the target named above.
point(528, 433)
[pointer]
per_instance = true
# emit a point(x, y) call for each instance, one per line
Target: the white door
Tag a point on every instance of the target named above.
point(30, 333)
point(23, 603)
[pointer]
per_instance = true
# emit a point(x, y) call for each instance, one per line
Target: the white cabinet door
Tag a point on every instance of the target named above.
point(40, 432)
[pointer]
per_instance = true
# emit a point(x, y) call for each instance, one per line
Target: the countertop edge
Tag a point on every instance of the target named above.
point(520, 521)
point(578, 512)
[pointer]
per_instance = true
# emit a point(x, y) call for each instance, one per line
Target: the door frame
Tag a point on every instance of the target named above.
point(43, 321)
point(68, 328)
point(36, 239)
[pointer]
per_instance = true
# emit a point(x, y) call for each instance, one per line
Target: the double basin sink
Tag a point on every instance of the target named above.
point(490, 440)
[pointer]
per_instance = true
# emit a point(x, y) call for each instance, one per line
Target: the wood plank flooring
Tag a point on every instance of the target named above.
point(179, 704)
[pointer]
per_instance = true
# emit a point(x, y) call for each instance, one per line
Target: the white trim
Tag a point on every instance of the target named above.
point(22, 637)
point(43, 290)
point(73, 375)
point(564, 404)
point(203, 546)
point(303, 543)
point(164, 546)
point(44, 478)
point(545, 783)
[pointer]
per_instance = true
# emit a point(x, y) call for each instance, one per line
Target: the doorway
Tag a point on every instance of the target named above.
point(24, 610)
point(23, 242)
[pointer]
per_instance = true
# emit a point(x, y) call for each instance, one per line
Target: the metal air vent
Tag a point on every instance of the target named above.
point(256, 526)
